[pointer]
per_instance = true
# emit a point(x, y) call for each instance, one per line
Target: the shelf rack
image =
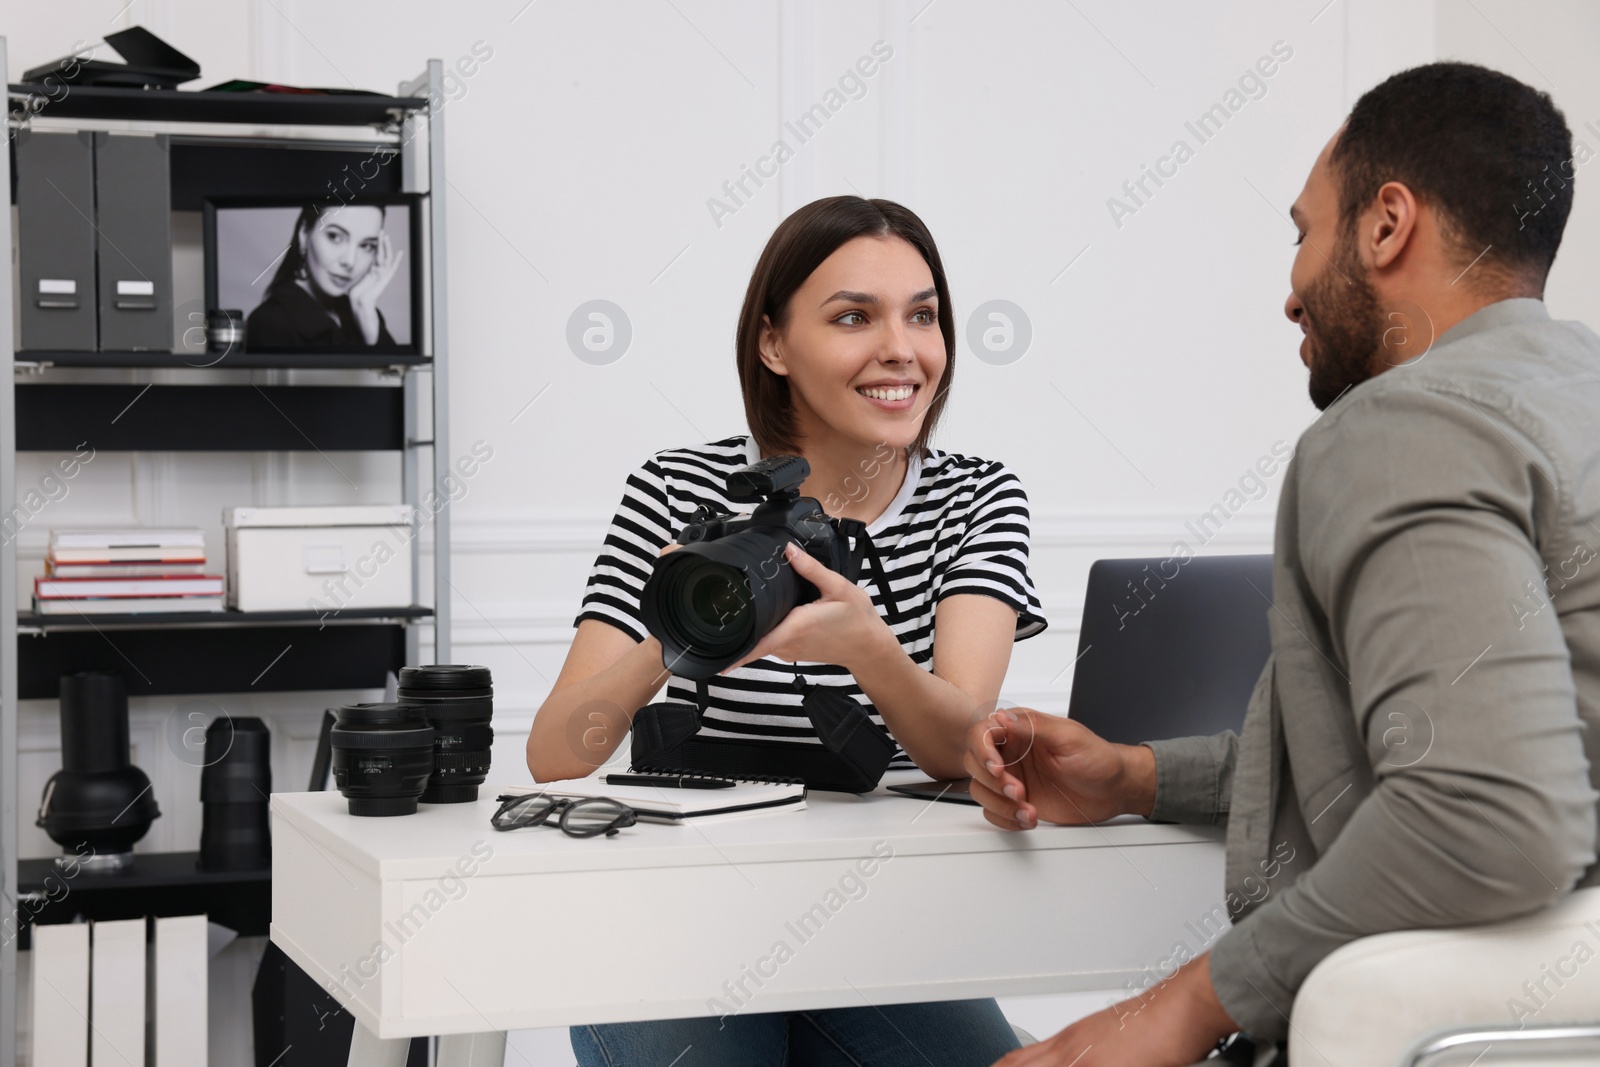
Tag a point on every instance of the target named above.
point(239, 360)
point(161, 884)
point(194, 652)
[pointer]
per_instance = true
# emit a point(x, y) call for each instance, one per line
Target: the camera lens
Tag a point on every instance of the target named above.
point(717, 596)
point(715, 611)
point(708, 608)
point(458, 700)
point(382, 757)
point(711, 601)
point(234, 787)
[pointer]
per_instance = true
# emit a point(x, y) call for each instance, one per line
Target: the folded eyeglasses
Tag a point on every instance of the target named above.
point(591, 817)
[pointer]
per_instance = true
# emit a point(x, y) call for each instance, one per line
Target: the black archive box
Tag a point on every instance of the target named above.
point(56, 240)
point(133, 200)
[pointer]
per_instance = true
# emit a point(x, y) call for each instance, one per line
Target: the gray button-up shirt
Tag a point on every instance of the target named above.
point(1423, 748)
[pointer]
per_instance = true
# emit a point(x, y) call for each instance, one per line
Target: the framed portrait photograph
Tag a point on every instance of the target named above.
point(320, 275)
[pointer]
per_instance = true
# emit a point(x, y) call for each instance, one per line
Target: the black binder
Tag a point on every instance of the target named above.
point(56, 240)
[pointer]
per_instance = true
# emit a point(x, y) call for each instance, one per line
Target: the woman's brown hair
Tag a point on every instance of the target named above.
point(797, 247)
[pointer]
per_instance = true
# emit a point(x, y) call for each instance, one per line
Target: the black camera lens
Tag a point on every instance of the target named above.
point(719, 596)
point(714, 608)
point(234, 787)
point(382, 757)
point(458, 700)
point(710, 602)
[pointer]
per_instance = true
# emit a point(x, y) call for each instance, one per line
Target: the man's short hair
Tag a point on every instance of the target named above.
point(1493, 156)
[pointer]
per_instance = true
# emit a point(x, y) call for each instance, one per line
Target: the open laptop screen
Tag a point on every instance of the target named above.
point(1170, 649)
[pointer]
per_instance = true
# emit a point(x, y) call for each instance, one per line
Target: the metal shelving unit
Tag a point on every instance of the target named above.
point(211, 652)
point(251, 360)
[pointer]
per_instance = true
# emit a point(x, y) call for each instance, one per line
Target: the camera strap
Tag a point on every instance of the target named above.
point(864, 547)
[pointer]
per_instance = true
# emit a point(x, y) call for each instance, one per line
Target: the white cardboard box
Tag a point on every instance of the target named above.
point(180, 991)
point(319, 558)
point(61, 995)
point(117, 993)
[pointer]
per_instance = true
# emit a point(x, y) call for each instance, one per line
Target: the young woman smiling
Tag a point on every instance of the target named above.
point(846, 347)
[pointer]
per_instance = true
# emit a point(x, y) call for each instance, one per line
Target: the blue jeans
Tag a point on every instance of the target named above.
point(952, 1033)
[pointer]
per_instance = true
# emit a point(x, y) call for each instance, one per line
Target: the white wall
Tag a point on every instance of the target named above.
point(1551, 46)
point(582, 154)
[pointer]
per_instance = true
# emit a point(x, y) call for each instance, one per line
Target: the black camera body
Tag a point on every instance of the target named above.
point(709, 603)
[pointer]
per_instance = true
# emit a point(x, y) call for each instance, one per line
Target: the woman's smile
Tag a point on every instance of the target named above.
point(890, 396)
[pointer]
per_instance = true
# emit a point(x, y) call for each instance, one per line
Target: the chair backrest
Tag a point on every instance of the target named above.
point(1169, 648)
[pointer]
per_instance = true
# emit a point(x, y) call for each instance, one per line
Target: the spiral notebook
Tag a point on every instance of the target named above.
point(673, 805)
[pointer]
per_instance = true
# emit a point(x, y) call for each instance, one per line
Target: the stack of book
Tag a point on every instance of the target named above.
point(112, 572)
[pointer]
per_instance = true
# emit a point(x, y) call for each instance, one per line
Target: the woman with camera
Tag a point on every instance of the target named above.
point(845, 351)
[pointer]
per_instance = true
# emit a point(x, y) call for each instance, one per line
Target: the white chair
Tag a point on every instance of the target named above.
point(1522, 991)
point(1549, 1046)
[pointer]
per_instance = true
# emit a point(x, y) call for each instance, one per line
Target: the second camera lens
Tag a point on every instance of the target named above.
point(382, 757)
point(458, 700)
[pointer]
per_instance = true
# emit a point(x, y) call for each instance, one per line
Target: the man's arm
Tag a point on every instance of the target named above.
point(1417, 534)
point(1194, 776)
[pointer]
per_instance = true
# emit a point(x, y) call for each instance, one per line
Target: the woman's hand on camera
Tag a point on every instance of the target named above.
point(364, 293)
point(841, 626)
point(1027, 766)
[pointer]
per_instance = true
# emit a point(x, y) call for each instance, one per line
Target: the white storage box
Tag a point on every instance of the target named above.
point(324, 559)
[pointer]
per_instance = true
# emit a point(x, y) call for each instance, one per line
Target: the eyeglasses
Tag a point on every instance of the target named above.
point(577, 818)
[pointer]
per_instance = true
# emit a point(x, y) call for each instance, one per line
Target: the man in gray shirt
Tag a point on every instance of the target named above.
point(1423, 747)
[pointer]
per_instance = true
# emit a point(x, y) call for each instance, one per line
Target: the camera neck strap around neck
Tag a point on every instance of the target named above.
point(864, 549)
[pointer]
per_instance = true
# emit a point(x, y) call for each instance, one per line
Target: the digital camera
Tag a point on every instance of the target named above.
point(710, 602)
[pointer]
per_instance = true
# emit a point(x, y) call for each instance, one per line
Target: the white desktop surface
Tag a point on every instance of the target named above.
point(669, 921)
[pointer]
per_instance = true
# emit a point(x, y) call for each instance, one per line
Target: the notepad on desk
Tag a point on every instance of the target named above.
point(673, 805)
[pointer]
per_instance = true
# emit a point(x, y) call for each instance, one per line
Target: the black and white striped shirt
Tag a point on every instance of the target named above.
point(958, 525)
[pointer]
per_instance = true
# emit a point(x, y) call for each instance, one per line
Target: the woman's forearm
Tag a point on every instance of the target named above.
point(928, 715)
point(579, 726)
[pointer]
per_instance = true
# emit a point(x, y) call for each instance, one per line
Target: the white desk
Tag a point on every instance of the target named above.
point(668, 921)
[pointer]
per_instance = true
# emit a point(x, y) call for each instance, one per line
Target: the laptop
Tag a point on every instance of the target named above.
point(1171, 649)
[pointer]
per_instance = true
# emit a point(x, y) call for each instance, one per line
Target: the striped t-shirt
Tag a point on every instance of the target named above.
point(958, 525)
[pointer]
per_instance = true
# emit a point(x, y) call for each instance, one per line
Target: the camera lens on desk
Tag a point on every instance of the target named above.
point(458, 700)
point(382, 756)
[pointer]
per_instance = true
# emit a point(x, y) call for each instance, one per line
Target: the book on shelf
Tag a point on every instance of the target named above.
point(126, 555)
point(134, 569)
point(155, 546)
point(131, 537)
point(132, 605)
point(178, 585)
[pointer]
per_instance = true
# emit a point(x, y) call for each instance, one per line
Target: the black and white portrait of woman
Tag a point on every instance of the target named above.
point(326, 276)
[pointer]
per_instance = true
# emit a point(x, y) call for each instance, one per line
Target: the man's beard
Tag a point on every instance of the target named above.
point(1346, 327)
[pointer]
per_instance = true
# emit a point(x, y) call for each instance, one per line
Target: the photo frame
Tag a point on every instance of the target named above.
point(317, 275)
